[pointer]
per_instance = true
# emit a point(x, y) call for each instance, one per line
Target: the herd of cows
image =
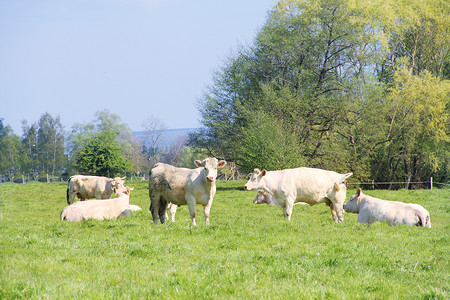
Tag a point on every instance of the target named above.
point(170, 187)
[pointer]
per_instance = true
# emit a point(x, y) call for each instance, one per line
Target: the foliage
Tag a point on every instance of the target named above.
point(324, 80)
point(248, 251)
point(419, 122)
point(40, 150)
point(101, 155)
point(104, 147)
point(50, 138)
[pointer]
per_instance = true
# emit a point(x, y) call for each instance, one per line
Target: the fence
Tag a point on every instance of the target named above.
point(373, 183)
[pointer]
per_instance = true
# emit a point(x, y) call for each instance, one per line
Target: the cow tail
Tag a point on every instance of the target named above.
point(67, 195)
point(68, 184)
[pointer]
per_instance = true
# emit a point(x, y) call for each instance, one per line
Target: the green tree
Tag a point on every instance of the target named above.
point(83, 138)
point(30, 148)
point(9, 151)
point(50, 144)
point(101, 155)
point(418, 134)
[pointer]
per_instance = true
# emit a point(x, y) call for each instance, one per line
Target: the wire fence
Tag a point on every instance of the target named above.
point(429, 184)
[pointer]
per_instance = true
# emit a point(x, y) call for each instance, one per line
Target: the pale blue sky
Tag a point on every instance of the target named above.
point(136, 58)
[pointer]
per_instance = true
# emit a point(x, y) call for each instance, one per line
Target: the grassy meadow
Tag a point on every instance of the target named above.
point(249, 251)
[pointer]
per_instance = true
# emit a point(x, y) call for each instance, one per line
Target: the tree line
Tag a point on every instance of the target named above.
point(340, 85)
point(103, 147)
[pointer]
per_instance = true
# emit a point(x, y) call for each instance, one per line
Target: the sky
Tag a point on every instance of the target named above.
point(138, 59)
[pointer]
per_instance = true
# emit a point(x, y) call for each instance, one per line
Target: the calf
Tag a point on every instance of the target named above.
point(307, 185)
point(370, 209)
point(181, 186)
point(88, 187)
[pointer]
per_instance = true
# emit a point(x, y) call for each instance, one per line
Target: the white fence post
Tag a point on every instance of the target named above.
point(431, 183)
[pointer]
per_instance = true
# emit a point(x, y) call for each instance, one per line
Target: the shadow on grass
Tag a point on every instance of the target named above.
point(230, 188)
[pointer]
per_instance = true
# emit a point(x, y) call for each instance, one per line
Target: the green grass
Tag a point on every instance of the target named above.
point(249, 251)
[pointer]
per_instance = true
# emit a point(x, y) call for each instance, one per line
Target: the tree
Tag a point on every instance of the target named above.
point(50, 141)
point(9, 150)
point(101, 155)
point(30, 148)
point(84, 137)
point(419, 126)
point(154, 135)
point(300, 71)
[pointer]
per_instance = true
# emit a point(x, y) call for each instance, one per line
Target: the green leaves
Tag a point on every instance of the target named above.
point(101, 155)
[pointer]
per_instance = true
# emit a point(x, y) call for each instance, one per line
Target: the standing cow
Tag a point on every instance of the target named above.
point(89, 187)
point(371, 209)
point(179, 186)
point(307, 185)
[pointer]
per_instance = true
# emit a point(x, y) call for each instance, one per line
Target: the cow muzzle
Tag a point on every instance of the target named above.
point(210, 178)
point(245, 188)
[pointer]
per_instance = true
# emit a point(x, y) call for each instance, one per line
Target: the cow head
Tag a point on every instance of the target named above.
point(210, 166)
point(255, 180)
point(263, 197)
point(352, 205)
point(118, 182)
point(123, 190)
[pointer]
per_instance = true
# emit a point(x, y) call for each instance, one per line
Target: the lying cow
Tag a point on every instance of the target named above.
point(307, 185)
point(99, 210)
point(183, 186)
point(89, 187)
point(264, 197)
point(370, 209)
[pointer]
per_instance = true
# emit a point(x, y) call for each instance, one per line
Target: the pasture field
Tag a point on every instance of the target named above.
point(249, 251)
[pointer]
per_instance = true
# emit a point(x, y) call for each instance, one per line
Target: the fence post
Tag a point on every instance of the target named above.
point(431, 183)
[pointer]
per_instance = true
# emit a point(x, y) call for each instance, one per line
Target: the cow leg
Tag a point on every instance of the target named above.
point(333, 211)
point(287, 210)
point(207, 210)
point(173, 210)
point(338, 206)
point(162, 212)
point(154, 208)
point(191, 205)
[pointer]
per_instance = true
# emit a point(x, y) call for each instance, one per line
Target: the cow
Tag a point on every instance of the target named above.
point(89, 187)
point(264, 197)
point(371, 209)
point(307, 185)
point(180, 186)
point(99, 210)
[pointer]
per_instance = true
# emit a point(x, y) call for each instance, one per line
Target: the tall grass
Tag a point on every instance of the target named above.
point(248, 251)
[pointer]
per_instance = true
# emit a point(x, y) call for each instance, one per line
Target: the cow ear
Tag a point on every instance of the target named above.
point(263, 173)
point(250, 175)
point(123, 178)
point(336, 187)
point(358, 192)
point(221, 164)
point(198, 163)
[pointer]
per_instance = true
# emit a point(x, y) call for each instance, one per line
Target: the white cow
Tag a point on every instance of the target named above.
point(89, 187)
point(307, 185)
point(99, 210)
point(179, 186)
point(264, 197)
point(370, 209)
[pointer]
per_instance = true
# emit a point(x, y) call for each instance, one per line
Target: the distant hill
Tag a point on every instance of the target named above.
point(169, 136)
